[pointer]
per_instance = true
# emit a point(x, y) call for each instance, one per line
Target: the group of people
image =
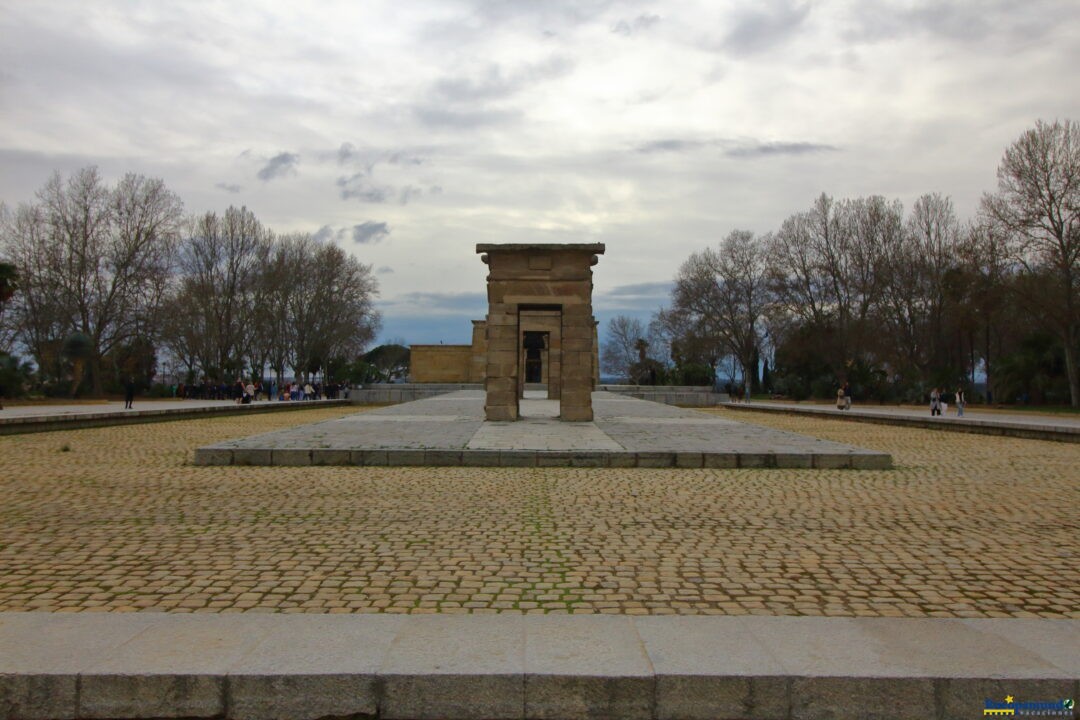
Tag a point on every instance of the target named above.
point(247, 391)
point(938, 404)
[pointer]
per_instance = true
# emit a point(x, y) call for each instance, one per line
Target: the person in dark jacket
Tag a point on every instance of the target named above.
point(129, 392)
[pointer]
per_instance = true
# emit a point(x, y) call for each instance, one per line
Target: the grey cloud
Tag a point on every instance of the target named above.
point(370, 232)
point(402, 157)
point(475, 302)
point(346, 152)
point(733, 148)
point(637, 296)
point(408, 193)
point(672, 145)
point(649, 289)
point(384, 270)
point(494, 83)
point(229, 187)
point(765, 25)
point(357, 187)
point(280, 165)
point(759, 149)
point(875, 20)
point(466, 101)
point(641, 22)
point(546, 14)
point(324, 234)
point(440, 116)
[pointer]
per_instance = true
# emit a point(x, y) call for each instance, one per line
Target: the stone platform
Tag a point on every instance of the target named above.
point(142, 665)
point(450, 430)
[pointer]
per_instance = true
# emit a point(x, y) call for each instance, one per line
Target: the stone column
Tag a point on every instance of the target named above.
point(575, 402)
point(501, 374)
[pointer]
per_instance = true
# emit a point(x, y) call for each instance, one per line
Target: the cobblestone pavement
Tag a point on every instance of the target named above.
point(118, 518)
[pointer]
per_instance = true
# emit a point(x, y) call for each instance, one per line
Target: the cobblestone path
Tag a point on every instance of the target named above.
point(118, 519)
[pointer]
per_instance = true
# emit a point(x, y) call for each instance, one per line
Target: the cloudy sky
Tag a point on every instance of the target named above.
point(409, 131)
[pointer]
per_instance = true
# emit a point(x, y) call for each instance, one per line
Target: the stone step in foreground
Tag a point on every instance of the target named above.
point(450, 430)
point(150, 665)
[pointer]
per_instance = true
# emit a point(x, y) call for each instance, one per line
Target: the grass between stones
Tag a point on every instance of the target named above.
point(963, 526)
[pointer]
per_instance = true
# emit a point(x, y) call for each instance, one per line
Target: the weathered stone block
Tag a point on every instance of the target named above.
point(301, 696)
point(405, 457)
point(831, 461)
point(37, 697)
point(291, 456)
point(251, 456)
point(155, 696)
point(575, 413)
point(720, 460)
point(327, 456)
point(688, 460)
point(867, 698)
point(756, 460)
point(213, 456)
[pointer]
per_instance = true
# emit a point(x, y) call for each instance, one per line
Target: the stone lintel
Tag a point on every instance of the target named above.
point(594, 248)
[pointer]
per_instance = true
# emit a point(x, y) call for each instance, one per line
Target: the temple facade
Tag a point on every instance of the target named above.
point(539, 329)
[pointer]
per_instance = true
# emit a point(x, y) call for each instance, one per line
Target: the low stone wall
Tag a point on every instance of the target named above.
point(49, 423)
point(389, 394)
point(1055, 433)
point(681, 395)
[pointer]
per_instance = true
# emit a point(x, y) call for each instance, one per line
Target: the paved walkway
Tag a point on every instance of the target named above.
point(248, 667)
point(971, 413)
point(450, 430)
point(117, 407)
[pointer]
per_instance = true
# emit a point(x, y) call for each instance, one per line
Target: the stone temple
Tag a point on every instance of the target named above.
point(539, 329)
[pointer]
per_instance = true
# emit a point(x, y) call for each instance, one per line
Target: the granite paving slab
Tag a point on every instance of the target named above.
point(555, 666)
point(450, 429)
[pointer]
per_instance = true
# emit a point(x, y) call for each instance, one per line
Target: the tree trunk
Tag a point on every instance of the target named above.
point(1070, 366)
point(76, 377)
point(97, 388)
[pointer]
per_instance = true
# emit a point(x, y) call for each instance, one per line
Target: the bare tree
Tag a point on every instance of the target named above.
point(619, 352)
point(1038, 203)
point(726, 291)
point(219, 266)
point(94, 260)
point(918, 258)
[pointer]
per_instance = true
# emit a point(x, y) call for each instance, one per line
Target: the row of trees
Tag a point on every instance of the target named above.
point(110, 277)
point(857, 290)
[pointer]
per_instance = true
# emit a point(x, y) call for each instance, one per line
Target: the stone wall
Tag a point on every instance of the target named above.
point(441, 364)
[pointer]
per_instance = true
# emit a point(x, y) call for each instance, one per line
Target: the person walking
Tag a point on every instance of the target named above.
point(129, 392)
point(935, 402)
point(847, 395)
point(961, 401)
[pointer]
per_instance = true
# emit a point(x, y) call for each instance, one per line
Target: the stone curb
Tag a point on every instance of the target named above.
point(78, 421)
point(527, 666)
point(221, 455)
point(1056, 433)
